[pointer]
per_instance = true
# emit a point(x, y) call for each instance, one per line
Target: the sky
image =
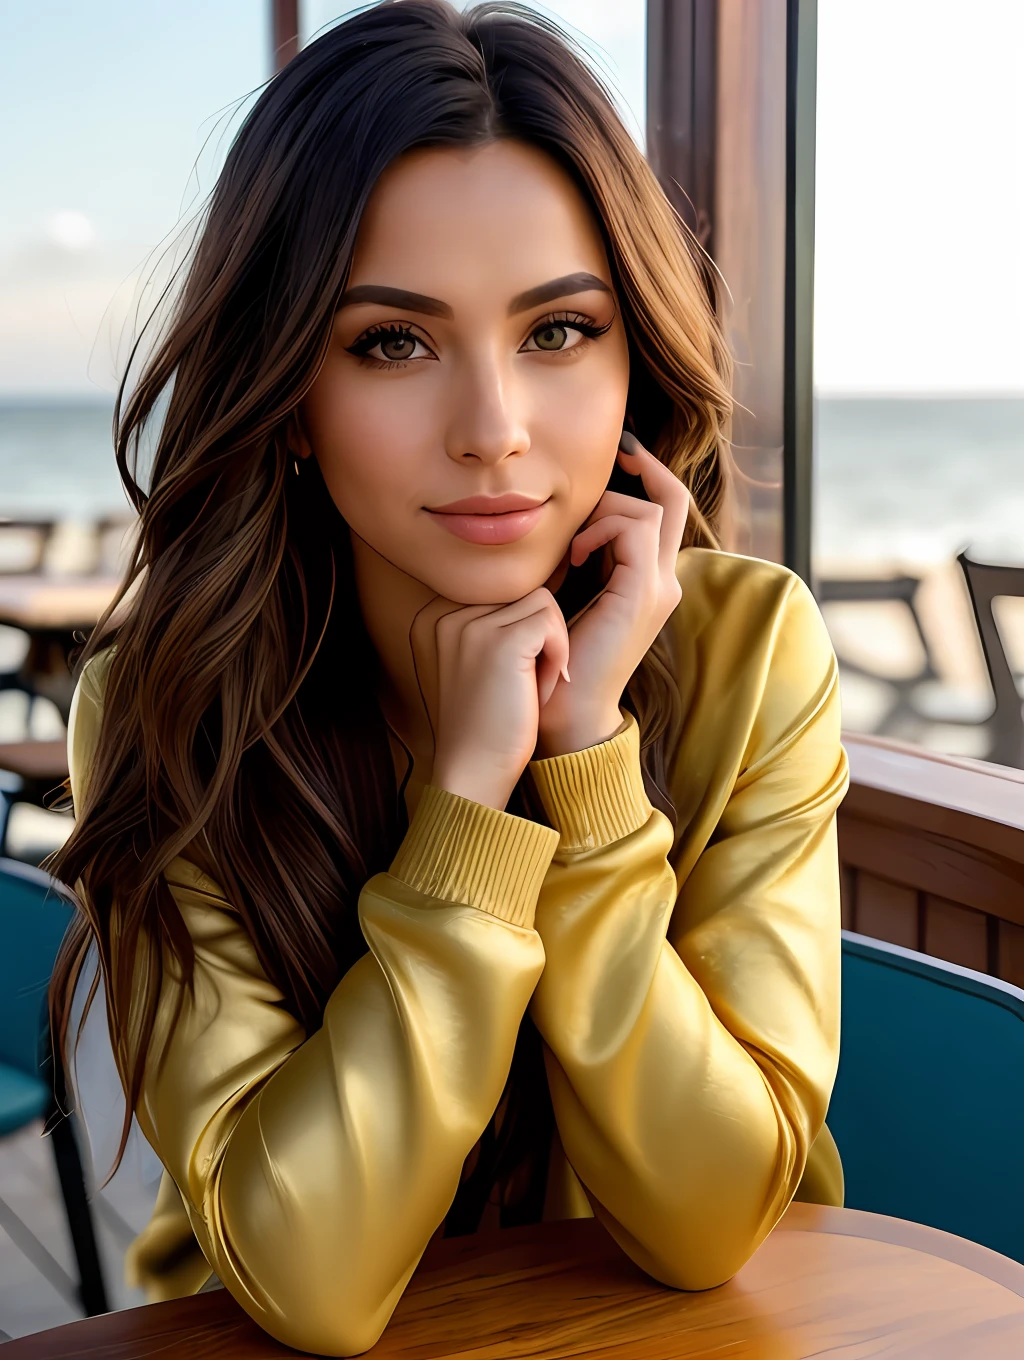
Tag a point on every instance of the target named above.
point(919, 256)
point(123, 109)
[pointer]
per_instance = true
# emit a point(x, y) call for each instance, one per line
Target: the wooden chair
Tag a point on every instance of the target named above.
point(985, 583)
point(917, 698)
point(928, 1105)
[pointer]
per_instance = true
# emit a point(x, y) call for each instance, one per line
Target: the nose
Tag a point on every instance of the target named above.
point(487, 423)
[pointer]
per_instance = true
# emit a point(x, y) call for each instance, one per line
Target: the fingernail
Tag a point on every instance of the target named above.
point(565, 673)
point(630, 444)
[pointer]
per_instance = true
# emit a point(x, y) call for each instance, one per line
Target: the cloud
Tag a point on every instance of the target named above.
point(71, 231)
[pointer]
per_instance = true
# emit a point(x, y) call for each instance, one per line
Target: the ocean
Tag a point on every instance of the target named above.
point(901, 481)
point(57, 460)
point(911, 481)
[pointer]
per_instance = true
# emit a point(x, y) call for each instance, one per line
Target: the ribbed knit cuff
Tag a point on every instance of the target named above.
point(595, 796)
point(461, 851)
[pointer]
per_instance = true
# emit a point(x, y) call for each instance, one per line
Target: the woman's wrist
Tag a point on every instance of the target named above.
point(476, 783)
point(577, 732)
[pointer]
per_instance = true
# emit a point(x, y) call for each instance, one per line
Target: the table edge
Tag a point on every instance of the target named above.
point(825, 1220)
point(902, 1232)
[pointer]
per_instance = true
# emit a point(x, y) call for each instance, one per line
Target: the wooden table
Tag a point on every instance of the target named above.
point(52, 610)
point(62, 603)
point(833, 1282)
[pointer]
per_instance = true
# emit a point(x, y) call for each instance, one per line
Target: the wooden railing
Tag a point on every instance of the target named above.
point(931, 850)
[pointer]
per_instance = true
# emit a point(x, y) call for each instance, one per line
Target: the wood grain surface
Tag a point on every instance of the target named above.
point(827, 1282)
point(46, 602)
point(40, 760)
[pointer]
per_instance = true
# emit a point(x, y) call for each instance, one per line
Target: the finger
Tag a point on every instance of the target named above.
point(488, 627)
point(426, 653)
point(451, 625)
point(539, 636)
point(633, 539)
point(447, 619)
point(665, 489)
point(645, 515)
point(456, 616)
point(618, 503)
point(553, 658)
point(506, 614)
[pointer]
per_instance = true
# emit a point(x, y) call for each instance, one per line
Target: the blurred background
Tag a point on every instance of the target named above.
point(863, 197)
point(919, 360)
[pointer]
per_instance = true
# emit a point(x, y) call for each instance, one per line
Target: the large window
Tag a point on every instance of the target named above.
point(919, 365)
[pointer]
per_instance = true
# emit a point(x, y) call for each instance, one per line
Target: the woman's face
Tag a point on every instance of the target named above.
point(467, 417)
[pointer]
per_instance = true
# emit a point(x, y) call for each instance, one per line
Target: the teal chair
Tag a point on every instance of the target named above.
point(928, 1107)
point(33, 918)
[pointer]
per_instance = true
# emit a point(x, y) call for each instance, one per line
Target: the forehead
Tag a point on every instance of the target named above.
point(489, 221)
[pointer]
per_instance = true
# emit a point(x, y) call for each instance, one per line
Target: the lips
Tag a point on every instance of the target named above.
point(489, 520)
point(505, 504)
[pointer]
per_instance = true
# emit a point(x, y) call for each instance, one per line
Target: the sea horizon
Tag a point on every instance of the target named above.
point(901, 478)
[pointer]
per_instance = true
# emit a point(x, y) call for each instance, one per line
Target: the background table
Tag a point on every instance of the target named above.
point(826, 1282)
point(52, 610)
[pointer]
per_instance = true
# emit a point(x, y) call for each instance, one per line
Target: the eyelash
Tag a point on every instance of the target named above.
point(586, 325)
point(574, 321)
point(361, 347)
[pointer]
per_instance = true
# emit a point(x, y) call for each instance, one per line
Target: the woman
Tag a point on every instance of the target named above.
point(457, 851)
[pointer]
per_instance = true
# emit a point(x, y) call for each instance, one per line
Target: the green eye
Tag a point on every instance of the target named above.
point(397, 347)
point(393, 345)
point(551, 337)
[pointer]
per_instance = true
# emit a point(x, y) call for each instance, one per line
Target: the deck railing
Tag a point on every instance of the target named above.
point(931, 850)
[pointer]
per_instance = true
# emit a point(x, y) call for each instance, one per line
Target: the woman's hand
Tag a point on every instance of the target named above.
point(610, 637)
point(496, 667)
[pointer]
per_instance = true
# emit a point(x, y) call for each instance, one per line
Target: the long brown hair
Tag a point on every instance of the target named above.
point(240, 723)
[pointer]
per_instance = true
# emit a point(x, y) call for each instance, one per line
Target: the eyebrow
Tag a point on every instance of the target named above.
point(386, 296)
point(395, 297)
point(556, 288)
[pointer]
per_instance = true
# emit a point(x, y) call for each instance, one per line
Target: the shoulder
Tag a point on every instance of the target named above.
point(92, 682)
point(752, 656)
point(751, 595)
point(747, 612)
point(85, 720)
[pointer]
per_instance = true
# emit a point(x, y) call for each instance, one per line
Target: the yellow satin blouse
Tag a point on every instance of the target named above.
point(686, 987)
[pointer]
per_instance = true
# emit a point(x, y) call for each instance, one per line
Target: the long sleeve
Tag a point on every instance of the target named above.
point(315, 1169)
point(690, 998)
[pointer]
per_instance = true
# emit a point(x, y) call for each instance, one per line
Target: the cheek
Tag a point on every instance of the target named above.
point(367, 448)
point(582, 421)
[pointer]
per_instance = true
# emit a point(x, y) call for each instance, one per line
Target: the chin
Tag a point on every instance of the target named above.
point(496, 583)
